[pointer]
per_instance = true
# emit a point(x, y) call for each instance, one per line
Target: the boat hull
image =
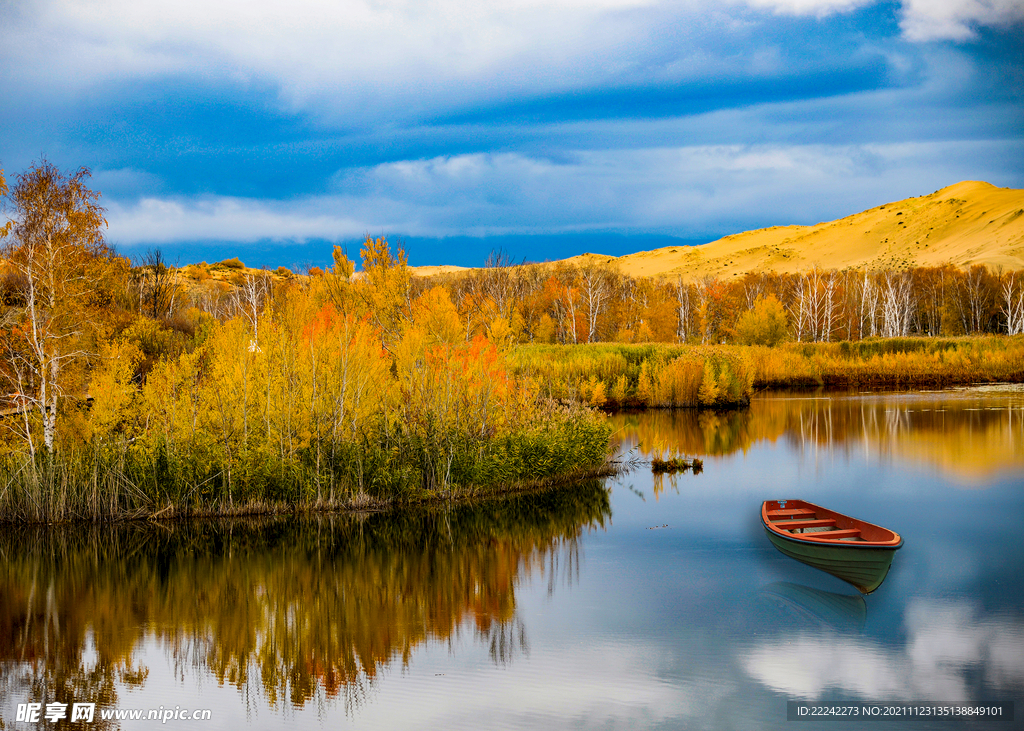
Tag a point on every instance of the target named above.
point(865, 567)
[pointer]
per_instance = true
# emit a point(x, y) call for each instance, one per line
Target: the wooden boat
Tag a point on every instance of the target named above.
point(853, 550)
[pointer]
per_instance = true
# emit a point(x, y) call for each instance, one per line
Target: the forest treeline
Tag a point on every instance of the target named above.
point(591, 300)
point(121, 396)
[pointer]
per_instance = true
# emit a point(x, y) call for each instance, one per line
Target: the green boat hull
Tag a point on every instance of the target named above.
point(864, 567)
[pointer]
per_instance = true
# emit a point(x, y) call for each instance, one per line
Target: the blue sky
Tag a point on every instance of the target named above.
point(545, 127)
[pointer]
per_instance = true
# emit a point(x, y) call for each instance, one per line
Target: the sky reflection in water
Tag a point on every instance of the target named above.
point(573, 609)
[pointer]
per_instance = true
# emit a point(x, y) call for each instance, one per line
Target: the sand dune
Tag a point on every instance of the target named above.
point(431, 270)
point(965, 224)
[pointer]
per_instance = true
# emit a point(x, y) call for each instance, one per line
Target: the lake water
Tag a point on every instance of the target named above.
point(639, 602)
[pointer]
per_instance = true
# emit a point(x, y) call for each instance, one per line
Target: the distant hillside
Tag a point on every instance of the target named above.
point(967, 223)
point(964, 224)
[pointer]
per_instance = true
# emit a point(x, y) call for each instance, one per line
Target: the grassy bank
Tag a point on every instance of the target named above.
point(724, 376)
point(890, 362)
point(640, 376)
point(130, 481)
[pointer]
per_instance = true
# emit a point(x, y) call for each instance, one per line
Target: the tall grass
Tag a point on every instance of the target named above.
point(50, 488)
point(640, 376)
point(724, 376)
point(890, 362)
point(131, 480)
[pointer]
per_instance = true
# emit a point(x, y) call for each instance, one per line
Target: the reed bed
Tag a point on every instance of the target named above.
point(676, 464)
point(132, 483)
point(640, 376)
point(724, 376)
point(890, 362)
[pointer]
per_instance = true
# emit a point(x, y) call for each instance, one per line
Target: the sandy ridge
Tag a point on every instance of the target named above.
point(964, 224)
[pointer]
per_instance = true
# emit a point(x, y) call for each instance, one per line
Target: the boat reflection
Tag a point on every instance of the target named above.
point(284, 608)
point(809, 607)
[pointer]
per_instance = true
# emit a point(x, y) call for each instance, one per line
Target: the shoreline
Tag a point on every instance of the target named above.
point(360, 503)
point(364, 503)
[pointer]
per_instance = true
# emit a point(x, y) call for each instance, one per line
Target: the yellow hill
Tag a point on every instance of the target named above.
point(430, 271)
point(964, 224)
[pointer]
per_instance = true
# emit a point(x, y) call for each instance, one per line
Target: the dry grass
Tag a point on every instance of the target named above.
point(724, 376)
point(895, 362)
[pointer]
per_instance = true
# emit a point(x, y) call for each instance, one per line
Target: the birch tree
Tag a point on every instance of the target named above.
point(596, 284)
point(897, 304)
point(684, 309)
point(54, 248)
point(869, 306)
point(1013, 304)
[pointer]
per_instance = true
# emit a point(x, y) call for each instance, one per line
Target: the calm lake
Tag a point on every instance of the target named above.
point(638, 602)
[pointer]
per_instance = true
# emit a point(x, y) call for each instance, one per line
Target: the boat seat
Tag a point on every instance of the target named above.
point(795, 512)
point(834, 534)
point(788, 524)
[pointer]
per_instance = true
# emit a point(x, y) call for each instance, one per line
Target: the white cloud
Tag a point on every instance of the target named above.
point(356, 58)
point(956, 20)
point(947, 644)
point(382, 61)
point(596, 685)
point(157, 221)
point(681, 190)
point(819, 8)
point(319, 50)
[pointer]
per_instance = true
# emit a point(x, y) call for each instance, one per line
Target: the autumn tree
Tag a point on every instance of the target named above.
point(566, 304)
point(596, 282)
point(897, 297)
point(54, 246)
point(814, 305)
point(385, 287)
point(685, 307)
point(764, 324)
point(975, 298)
point(709, 298)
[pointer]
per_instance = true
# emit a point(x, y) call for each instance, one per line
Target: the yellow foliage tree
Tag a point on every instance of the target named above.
point(384, 287)
point(112, 390)
point(62, 271)
point(434, 313)
point(764, 324)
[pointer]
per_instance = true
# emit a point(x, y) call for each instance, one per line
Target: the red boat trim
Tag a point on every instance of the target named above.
point(851, 527)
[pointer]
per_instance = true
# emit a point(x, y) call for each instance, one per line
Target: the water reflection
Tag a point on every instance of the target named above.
point(820, 609)
point(463, 618)
point(970, 434)
point(287, 609)
point(952, 653)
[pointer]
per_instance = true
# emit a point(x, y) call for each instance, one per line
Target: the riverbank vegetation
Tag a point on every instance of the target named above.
point(614, 376)
point(322, 391)
point(147, 388)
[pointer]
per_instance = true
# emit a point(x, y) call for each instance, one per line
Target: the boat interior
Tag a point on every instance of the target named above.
point(807, 521)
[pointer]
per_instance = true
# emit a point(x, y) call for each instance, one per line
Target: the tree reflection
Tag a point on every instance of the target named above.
point(291, 609)
point(971, 433)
